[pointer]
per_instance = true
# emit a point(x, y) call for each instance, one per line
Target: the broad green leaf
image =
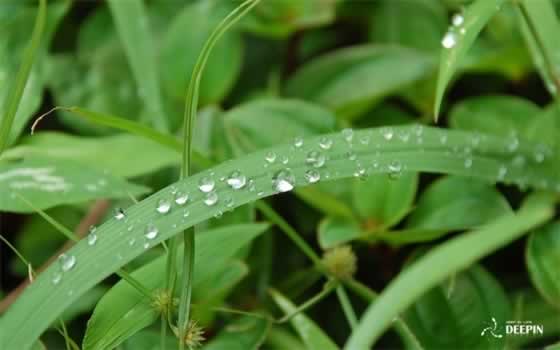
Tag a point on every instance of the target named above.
point(147, 340)
point(540, 35)
point(400, 22)
point(459, 39)
point(453, 203)
point(125, 152)
point(545, 126)
point(246, 333)
point(382, 201)
point(39, 306)
point(131, 21)
point(333, 231)
point(84, 305)
point(123, 311)
point(183, 41)
point(499, 115)
point(350, 80)
point(49, 182)
point(279, 19)
point(15, 93)
point(453, 314)
point(543, 261)
point(443, 261)
point(312, 335)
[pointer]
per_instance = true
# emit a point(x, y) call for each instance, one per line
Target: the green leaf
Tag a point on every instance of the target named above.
point(333, 231)
point(93, 152)
point(399, 22)
point(123, 311)
point(38, 306)
point(280, 339)
point(245, 333)
point(543, 261)
point(183, 41)
point(49, 182)
point(458, 40)
point(443, 261)
point(15, 93)
point(312, 335)
point(382, 201)
point(147, 340)
point(350, 80)
point(132, 25)
point(453, 203)
point(453, 314)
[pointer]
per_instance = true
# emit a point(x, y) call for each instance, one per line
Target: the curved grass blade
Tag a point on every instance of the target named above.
point(458, 40)
point(427, 149)
point(16, 93)
point(132, 25)
point(443, 261)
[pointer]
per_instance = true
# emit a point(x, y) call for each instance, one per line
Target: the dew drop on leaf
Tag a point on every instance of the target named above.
point(270, 157)
point(119, 214)
point(151, 231)
point(502, 172)
point(206, 184)
point(457, 20)
point(395, 169)
point(468, 162)
point(66, 262)
point(298, 142)
point(315, 159)
point(92, 236)
point(312, 176)
point(57, 277)
point(449, 40)
point(211, 198)
point(348, 134)
point(283, 181)
point(387, 133)
point(181, 198)
point(325, 143)
point(163, 206)
point(236, 180)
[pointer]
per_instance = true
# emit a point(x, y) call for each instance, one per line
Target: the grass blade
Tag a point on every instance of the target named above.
point(132, 25)
point(457, 42)
point(42, 302)
point(16, 93)
point(441, 262)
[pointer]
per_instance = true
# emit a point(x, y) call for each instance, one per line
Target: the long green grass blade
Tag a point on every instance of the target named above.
point(132, 25)
point(441, 262)
point(16, 92)
point(458, 40)
point(425, 149)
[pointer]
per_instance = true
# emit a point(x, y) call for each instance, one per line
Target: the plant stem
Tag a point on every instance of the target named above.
point(346, 307)
point(327, 289)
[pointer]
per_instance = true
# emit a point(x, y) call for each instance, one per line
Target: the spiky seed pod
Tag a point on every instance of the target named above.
point(341, 262)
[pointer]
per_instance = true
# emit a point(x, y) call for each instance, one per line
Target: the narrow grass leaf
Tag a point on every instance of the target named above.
point(16, 92)
point(443, 261)
point(245, 333)
point(458, 40)
point(153, 220)
point(132, 25)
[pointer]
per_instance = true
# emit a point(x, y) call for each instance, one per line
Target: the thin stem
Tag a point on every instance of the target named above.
point(347, 307)
point(19, 255)
point(163, 332)
point(186, 293)
point(327, 289)
point(134, 283)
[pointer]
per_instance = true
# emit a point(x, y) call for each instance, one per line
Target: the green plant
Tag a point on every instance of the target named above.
point(352, 157)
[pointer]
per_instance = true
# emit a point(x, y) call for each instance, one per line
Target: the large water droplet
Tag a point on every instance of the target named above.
point(298, 142)
point(236, 180)
point(325, 143)
point(211, 198)
point(119, 214)
point(270, 157)
point(283, 181)
point(163, 206)
point(312, 176)
point(387, 133)
point(151, 232)
point(181, 198)
point(92, 236)
point(449, 40)
point(206, 184)
point(315, 159)
point(67, 262)
point(457, 20)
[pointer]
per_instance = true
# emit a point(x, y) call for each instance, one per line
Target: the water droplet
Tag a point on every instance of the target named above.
point(360, 171)
point(236, 180)
point(404, 136)
point(513, 144)
point(206, 184)
point(131, 241)
point(211, 198)
point(449, 40)
point(181, 198)
point(468, 162)
point(151, 231)
point(285, 160)
point(119, 214)
point(519, 161)
point(186, 214)
point(229, 202)
point(67, 262)
point(92, 236)
point(283, 181)
point(298, 142)
point(270, 157)
point(218, 214)
point(56, 278)
point(364, 140)
point(312, 176)
point(502, 172)
point(462, 31)
point(395, 169)
point(146, 245)
point(387, 133)
point(163, 206)
point(457, 20)
point(348, 134)
point(325, 143)
point(351, 155)
point(315, 159)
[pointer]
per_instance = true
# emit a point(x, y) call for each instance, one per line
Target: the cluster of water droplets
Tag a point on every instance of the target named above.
point(456, 29)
